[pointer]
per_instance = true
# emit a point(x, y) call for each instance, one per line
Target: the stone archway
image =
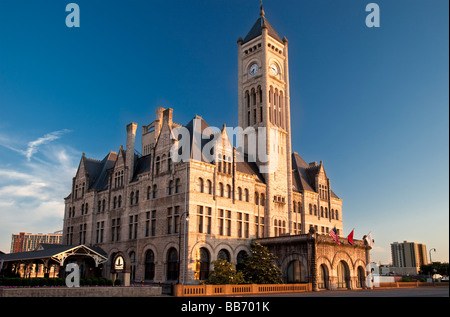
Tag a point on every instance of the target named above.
point(323, 277)
point(343, 275)
point(296, 272)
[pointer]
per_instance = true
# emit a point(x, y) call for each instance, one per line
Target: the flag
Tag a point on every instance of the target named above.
point(369, 240)
point(333, 234)
point(350, 237)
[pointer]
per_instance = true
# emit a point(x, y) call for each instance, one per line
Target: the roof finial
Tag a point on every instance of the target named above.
point(261, 13)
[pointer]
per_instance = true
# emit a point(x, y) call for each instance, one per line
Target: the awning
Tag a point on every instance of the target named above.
point(58, 253)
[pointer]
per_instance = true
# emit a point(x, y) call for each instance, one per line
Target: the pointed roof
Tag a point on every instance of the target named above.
point(257, 28)
point(304, 175)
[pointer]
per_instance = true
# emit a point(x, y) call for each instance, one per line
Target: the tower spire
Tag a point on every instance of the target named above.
point(261, 12)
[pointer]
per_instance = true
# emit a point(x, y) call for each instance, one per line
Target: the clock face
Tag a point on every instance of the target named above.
point(253, 70)
point(273, 70)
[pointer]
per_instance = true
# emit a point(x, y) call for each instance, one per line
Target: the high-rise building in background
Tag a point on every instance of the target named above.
point(407, 257)
point(23, 242)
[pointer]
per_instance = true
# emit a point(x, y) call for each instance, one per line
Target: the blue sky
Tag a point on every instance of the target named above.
point(371, 103)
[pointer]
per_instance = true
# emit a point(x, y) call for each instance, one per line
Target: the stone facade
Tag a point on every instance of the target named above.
point(170, 219)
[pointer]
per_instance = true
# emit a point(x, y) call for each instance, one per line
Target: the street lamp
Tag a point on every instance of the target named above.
point(186, 214)
point(432, 269)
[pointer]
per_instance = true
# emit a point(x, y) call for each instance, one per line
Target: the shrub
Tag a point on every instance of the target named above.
point(224, 273)
point(406, 279)
point(118, 282)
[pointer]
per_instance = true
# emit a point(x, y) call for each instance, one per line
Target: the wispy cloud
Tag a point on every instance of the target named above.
point(33, 146)
point(32, 187)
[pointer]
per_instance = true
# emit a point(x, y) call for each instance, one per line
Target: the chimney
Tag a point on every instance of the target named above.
point(129, 160)
point(158, 121)
point(312, 164)
point(167, 116)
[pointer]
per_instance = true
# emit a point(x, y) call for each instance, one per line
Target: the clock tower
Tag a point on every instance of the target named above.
point(264, 105)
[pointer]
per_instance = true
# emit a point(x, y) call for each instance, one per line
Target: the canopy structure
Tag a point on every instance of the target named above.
point(53, 254)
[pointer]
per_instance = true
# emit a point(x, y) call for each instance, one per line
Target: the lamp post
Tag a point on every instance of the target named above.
point(186, 215)
point(432, 269)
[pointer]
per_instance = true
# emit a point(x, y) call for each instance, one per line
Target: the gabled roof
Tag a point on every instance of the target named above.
point(256, 30)
point(56, 252)
point(141, 166)
point(303, 175)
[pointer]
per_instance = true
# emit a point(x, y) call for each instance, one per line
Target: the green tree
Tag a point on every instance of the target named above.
point(224, 273)
point(260, 268)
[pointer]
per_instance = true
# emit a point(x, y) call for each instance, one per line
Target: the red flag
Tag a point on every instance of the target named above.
point(350, 237)
point(333, 234)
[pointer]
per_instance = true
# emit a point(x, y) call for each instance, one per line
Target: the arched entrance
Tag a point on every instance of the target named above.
point(172, 265)
point(361, 282)
point(203, 263)
point(323, 276)
point(296, 272)
point(343, 275)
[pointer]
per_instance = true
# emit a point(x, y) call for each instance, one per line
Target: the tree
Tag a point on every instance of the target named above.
point(259, 267)
point(224, 273)
point(441, 268)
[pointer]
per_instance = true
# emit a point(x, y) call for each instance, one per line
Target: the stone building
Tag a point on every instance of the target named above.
point(167, 219)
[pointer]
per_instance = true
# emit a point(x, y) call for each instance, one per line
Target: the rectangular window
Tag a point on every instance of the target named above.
point(115, 229)
point(176, 218)
point(200, 219)
point(147, 223)
point(132, 232)
point(246, 225)
point(99, 232)
point(228, 223)
point(208, 220)
point(153, 227)
point(221, 222)
point(239, 225)
point(169, 220)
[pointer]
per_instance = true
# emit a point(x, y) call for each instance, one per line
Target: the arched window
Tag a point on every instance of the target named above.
point(149, 265)
point(336, 213)
point(239, 193)
point(315, 210)
point(170, 188)
point(131, 198)
point(177, 185)
point(119, 202)
point(203, 262)
point(256, 198)
point(148, 192)
point(332, 213)
point(200, 187)
point(99, 206)
point(228, 191)
point(114, 202)
point(310, 209)
point(224, 255)
point(254, 96)
point(172, 265)
point(247, 98)
point(263, 200)
point(169, 163)
point(155, 191)
point(242, 255)
point(321, 211)
point(247, 195)
point(132, 265)
point(158, 164)
point(220, 190)
point(137, 197)
point(209, 187)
